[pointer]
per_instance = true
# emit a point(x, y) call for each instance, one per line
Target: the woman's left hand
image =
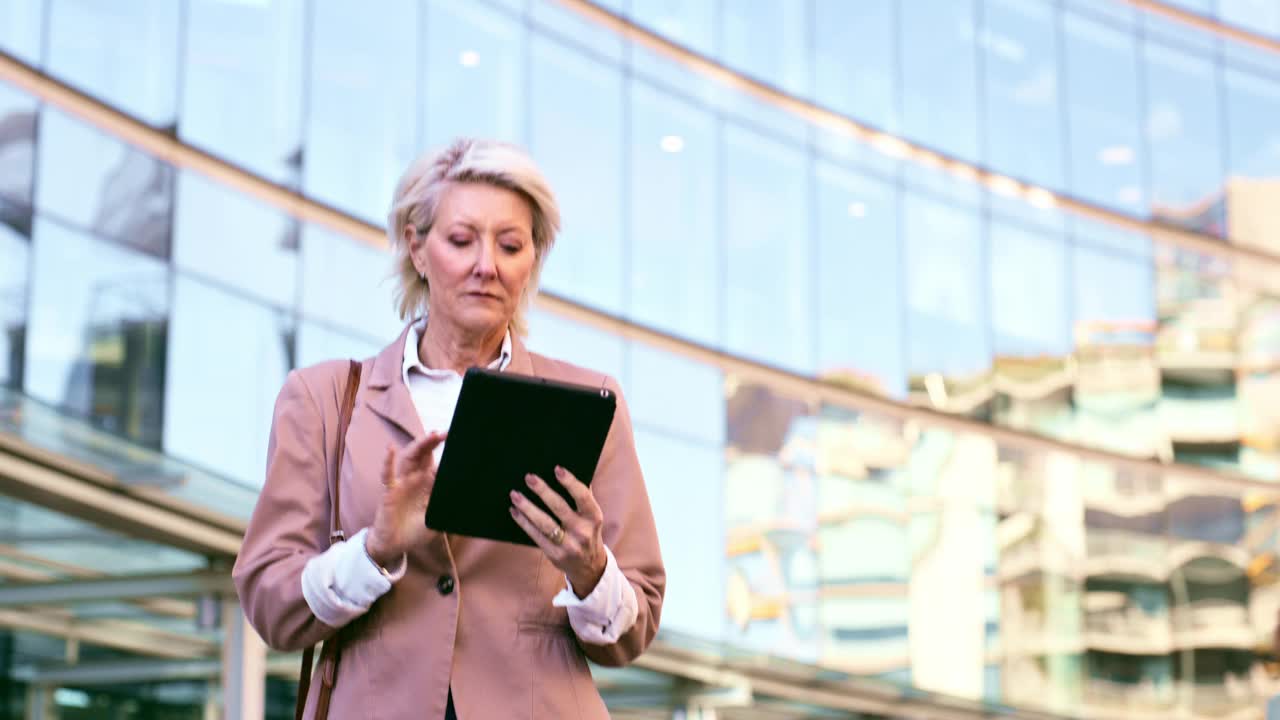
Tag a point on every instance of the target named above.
point(572, 541)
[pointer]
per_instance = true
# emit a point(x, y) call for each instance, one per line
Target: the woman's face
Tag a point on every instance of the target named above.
point(478, 256)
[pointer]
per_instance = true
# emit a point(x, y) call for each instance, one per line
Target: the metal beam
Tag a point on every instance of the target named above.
point(127, 587)
point(112, 508)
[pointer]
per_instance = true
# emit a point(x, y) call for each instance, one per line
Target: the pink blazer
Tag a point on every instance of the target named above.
point(496, 637)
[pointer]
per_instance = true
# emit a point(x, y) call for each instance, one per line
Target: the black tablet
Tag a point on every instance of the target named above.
point(505, 426)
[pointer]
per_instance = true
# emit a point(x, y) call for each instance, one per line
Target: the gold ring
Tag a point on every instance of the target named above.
point(557, 535)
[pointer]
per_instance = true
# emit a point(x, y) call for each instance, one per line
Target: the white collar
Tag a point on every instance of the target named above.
point(413, 362)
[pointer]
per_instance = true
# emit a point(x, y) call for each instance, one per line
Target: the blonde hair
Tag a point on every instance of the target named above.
point(417, 198)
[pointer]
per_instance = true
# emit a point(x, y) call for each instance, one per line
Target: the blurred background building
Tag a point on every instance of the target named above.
point(950, 329)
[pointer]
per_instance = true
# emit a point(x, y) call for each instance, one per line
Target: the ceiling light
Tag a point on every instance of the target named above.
point(469, 58)
point(671, 143)
point(857, 209)
point(1116, 155)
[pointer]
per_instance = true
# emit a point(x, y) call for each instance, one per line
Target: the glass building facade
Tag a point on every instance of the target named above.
point(950, 328)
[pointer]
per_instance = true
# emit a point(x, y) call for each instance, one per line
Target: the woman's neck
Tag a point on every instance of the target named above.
point(448, 347)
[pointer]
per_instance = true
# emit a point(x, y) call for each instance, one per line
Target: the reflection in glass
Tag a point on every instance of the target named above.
point(103, 185)
point(361, 124)
point(860, 274)
point(17, 150)
point(123, 53)
point(675, 266)
point(1253, 139)
point(939, 78)
point(577, 141)
point(1103, 122)
point(218, 405)
point(768, 258)
point(1184, 132)
point(1022, 114)
point(242, 75)
point(234, 240)
point(675, 395)
point(475, 74)
point(14, 254)
point(98, 331)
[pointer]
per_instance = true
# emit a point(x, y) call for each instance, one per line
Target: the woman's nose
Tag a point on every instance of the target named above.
point(485, 260)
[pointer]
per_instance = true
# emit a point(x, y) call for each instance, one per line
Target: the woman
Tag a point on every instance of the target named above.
point(441, 626)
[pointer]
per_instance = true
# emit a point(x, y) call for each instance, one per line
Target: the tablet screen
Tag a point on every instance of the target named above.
point(504, 426)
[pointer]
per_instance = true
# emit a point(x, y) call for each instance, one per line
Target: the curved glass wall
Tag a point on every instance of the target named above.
point(156, 303)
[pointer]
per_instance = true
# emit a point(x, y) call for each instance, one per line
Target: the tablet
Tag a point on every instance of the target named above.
point(505, 426)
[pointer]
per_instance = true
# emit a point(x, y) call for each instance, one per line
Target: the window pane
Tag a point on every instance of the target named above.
point(1184, 132)
point(475, 74)
point(317, 343)
point(14, 253)
point(1029, 293)
point(1102, 92)
point(939, 81)
point(17, 145)
point(685, 484)
point(348, 285)
point(857, 78)
point(219, 404)
point(946, 297)
point(1111, 288)
point(673, 191)
point(363, 78)
point(99, 183)
point(691, 24)
point(563, 339)
point(769, 40)
point(242, 87)
point(859, 282)
point(768, 268)
point(20, 23)
point(555, 20)
point(1260, 16)
point(124, 53)
point(1253, 136)
point(96, 340)
point(672, 394)
point(232, 239)
point(577, 138)
point(1023, 108)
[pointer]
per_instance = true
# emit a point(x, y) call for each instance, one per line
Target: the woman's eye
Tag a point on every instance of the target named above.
point(459, 240)
point(512, 249)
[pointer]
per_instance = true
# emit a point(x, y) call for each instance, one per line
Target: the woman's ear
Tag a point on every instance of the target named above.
point(417, 243)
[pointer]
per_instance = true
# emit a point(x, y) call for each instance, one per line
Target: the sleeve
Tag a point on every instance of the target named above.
point(289, 525)
point(341, 583)
point(632, 538)
point(607, 612)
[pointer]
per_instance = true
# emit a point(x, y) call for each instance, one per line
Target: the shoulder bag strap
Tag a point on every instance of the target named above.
point(332, 650)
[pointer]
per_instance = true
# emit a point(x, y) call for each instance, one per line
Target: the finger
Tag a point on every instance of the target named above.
point(389, 467)
point(552, 498)
point(418, 454)
point(538, 537)
point(582, 497)
point(543, 522)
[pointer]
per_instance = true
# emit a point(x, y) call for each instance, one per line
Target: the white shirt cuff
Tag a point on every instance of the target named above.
point(607, 612)
point(342, 582)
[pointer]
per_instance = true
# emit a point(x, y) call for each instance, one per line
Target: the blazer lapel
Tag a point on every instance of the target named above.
point(389, 397)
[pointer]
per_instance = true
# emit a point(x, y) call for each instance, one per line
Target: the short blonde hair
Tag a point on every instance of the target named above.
point(417, 198)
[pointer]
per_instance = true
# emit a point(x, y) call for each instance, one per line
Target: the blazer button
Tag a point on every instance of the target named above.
point(445, 584)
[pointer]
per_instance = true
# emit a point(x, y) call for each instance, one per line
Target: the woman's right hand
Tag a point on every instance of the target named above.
point(408, 476)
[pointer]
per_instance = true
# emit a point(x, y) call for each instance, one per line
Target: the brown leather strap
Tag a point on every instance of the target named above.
point(332, 650)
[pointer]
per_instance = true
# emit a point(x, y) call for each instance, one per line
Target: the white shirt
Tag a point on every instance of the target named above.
point(341, 583)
